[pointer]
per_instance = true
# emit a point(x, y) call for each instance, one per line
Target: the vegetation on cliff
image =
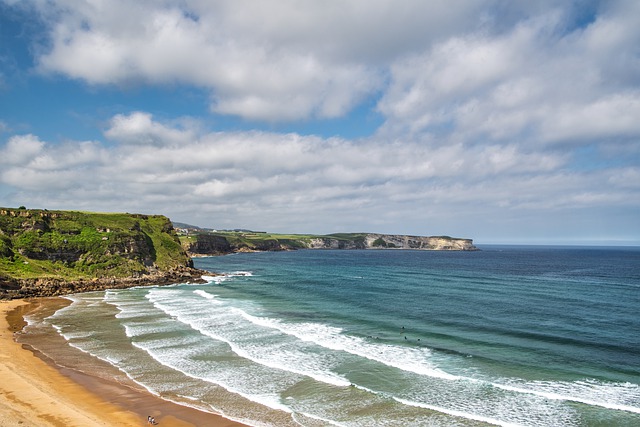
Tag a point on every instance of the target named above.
point(46, 252)
point(199, 241)
point(66, 246)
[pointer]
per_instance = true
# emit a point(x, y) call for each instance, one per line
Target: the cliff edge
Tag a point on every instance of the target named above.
point(45, 253)
point(202, 243)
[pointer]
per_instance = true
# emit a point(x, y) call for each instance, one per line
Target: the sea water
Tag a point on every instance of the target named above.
point(510, 336)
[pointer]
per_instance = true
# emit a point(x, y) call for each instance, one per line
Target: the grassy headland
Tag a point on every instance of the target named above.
point(198, 241)
point(67, 246)
point(46, 252)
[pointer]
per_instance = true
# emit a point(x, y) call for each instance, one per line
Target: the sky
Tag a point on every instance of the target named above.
point(497, 120)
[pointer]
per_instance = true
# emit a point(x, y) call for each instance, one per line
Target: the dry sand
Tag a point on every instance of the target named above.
point(35, 393)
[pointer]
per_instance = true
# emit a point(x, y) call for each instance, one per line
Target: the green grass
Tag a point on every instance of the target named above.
point(256, 240)
point(267, 241)
point(69, 244)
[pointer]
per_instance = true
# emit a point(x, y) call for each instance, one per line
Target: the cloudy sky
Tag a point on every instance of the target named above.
point(498, 120)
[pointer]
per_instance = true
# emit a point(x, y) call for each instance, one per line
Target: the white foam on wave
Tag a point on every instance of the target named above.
point(288, 360)
point(407, 359)
point(317, 418)
point(269, 400)
point(70, 341)
point(69, 336)
point(588, 392)
point(132, 311)
point(226, 276)
point(456, 413)
point(130, 308)
point(615, 396)
point(208, 296)
point(115, 362)
point(404, 358)
point(185, 312)
point(136, 329)
point(283, 361)
point(75, 300)
point(240, 273)
point(606, 395)
point(31, 321)
point(74, 341)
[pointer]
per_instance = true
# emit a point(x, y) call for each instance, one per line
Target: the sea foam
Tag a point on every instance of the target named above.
point(284, 356)
point(415, 360)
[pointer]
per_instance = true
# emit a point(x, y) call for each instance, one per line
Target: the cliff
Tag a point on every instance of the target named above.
point(393, 241)
point(217, 243)
point(56, 252)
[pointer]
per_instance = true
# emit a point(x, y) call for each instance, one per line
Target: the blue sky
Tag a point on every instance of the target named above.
point(501, 121)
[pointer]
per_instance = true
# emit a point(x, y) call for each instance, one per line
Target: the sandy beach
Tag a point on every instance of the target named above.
point(36, 393)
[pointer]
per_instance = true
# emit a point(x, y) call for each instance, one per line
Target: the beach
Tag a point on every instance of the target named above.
point(35, 392)
point(357, 338)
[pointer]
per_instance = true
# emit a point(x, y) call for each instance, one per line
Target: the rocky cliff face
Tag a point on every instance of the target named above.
point(54, 252)
point(334, 243)
point(392, 241)
point(210, 244)
point(433, 243)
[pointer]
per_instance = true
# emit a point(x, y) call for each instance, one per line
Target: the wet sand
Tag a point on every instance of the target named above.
point(34, 391)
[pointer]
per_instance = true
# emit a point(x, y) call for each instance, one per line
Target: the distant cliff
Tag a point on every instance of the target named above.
point(56, 252)
point(201, 243)
point(393, 241)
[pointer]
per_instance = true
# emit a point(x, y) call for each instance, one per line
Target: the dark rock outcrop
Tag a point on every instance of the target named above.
point(208, 244)
point(47, 287)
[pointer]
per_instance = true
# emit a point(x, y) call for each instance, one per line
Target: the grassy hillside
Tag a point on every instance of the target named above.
point(264, 240)
point(75, 245)
point(200, 241)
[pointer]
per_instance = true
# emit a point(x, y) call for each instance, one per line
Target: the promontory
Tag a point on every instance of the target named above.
point(48, 253)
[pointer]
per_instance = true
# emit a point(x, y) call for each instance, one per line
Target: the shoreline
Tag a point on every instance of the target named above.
point(21, 288)
point(36, 391)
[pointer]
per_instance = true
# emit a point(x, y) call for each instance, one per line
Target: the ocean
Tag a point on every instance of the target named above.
point(508, 336)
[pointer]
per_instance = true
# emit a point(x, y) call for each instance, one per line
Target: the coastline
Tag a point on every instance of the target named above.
point(37, 392)
point(20, 288)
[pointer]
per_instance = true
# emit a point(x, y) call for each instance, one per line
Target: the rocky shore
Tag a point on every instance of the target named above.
point(12, 288)
point(51, 253)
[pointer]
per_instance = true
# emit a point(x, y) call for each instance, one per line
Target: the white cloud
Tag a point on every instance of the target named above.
point(492, 109)
point(288, 60)
point(613, 116)
point(298, 183)
point(534, 83)
point(272, 60)
point(139, 128)
point(31, 164)
point(20, 149)
point(248, 73)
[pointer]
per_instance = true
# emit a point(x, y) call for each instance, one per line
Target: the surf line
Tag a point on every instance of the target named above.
point(556, 396)
point(455, 413)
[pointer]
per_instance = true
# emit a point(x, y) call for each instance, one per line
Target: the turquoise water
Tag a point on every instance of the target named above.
point(526, 336)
